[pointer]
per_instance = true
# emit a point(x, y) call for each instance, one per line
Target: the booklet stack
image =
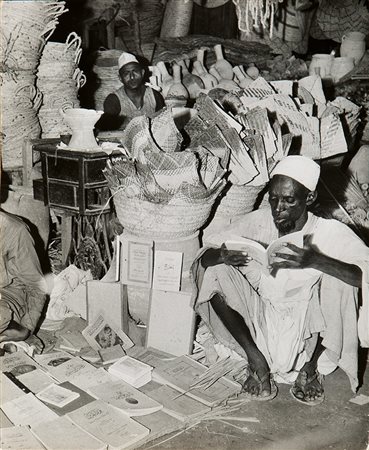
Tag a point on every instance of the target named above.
point(132, 371)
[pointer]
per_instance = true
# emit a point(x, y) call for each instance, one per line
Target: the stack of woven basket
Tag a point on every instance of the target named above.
point(59, 78)
point(26, 26)
point(106, 71)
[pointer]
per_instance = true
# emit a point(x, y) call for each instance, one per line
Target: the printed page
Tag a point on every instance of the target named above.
point(36, 380)
point(28, 410)
point(57, 395)
point(102, 334)
point(125, 397)
point(62, 433)
point(136, 262)
point(109, 424)
point(254, 249)
point(167, 270)
point(279, 245)
point(19, 438)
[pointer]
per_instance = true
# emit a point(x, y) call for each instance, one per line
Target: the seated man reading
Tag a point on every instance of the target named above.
point(133, 99)
point(298, 319)
point(22, 285)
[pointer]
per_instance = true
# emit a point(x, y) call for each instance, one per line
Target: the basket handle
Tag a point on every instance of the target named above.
point(73, 39)
point(78, 56)
point(49, 29)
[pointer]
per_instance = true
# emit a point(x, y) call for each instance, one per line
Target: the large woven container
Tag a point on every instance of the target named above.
point(107, 74)
point(59, 79)
point(238, 200)
point(26, 26)
point(161, 221)
point(177, 18)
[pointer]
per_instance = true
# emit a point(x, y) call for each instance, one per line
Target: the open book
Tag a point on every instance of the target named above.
point(264, 255)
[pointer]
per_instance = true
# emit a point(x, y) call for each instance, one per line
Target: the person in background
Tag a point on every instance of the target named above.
point(23, 289)
point(298, 320)
point(133, 99)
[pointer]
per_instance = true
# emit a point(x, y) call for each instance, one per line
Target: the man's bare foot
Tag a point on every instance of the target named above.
point(308, 388)
point(15, 332)
point(257, 386)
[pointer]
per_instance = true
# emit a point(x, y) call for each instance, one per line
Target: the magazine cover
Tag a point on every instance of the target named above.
point(101, 334)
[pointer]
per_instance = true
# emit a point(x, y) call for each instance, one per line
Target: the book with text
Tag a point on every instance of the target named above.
point(264, 255)
point(109, 425)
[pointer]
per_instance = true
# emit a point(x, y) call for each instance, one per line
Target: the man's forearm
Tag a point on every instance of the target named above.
point(348, 273)
point(211, 257)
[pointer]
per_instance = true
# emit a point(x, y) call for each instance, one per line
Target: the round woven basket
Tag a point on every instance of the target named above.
point(106, 70)
point(161, 221)
point(239, 200)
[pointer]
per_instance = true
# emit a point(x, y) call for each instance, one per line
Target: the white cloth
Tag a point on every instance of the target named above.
point(285, 313)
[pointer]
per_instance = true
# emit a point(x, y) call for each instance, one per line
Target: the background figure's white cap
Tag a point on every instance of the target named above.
point(300, 168)
point(126, 58)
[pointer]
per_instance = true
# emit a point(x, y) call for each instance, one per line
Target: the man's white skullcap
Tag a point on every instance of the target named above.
point(126, 58)
point(300, 168)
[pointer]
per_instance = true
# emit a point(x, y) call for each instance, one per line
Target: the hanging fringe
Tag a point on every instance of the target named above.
point(260, 10)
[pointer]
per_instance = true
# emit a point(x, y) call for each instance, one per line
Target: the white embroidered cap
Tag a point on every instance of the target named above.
point(300, 168)
point(126, 58)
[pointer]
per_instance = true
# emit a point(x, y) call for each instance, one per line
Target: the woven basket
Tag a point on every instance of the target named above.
point(239, 200)
point(107, 72)
point(162, 221)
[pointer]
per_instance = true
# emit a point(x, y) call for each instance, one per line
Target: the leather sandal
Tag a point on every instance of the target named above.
point(301, 383)
point(260, 381)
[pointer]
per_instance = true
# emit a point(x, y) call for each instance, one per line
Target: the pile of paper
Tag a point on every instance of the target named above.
point(132, 371)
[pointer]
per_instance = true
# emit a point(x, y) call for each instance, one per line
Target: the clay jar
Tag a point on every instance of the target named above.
point(321, 64)
point(82, 123)
point(192, 83)
point(177, 94)
point(341, 66)
point(353, 45)
point(209, 80)
point(166, 79)
point(243, 80)
point(224, 67)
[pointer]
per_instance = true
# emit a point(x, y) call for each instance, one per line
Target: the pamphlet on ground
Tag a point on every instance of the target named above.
point(73, 341)
point(182, 407)
point(19, 438)
point(102, 334)
point(109, 425)
point(36, 380)
point(181, 372)
point(125, 397)
point(57, 395)
point(62, 433)
point(264, 255)
point(132, 371)
point(136, 262)
point(28, 410)
point(111, 354)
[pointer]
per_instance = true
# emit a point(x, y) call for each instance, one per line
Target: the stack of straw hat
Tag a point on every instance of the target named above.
point(59, 78)
point(107, 72)
point(26, 26)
